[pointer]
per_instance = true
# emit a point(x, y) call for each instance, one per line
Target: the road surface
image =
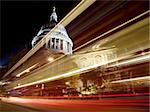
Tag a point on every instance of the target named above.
point(15, 104)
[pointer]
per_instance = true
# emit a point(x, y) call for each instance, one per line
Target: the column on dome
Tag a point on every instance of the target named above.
point(71, 50)
point(46, 44)
point(59, 43)
point(50, 42)
point(54, 43)
point(68, 47)
point(64, 46)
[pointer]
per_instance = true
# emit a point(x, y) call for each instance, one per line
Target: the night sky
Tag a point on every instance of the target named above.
point(21, 20)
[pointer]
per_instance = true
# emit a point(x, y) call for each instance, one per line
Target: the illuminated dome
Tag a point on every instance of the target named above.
point(58, 41)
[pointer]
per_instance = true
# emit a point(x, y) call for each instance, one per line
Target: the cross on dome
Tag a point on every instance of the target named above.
point(54, 9)
point(53, 16)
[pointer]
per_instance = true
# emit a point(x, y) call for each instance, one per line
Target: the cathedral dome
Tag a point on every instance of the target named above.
point(58, 41)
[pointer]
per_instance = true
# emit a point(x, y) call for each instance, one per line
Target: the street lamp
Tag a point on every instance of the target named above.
point(50, 59)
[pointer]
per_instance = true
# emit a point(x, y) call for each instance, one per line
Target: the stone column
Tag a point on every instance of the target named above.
point(46, 43)
point(70, 49)
point(59, 43)
point(50, 42)
point(64, 46)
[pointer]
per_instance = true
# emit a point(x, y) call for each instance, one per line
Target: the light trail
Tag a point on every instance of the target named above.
point(83, 6)
point(135, 60)
point(85, 69)
point(132, 79)
point(80, 70)
point(114, 29)
point(76, 105)
point(27, 70)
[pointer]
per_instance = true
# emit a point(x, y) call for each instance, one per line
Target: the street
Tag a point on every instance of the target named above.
point(139, 104)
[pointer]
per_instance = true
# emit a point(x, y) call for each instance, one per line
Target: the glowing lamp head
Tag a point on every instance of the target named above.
point(50, 59)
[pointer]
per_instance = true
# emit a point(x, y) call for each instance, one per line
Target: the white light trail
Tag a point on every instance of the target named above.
point(142, 58)
point(27, 70)
point(83, 70)
point(132, 79)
